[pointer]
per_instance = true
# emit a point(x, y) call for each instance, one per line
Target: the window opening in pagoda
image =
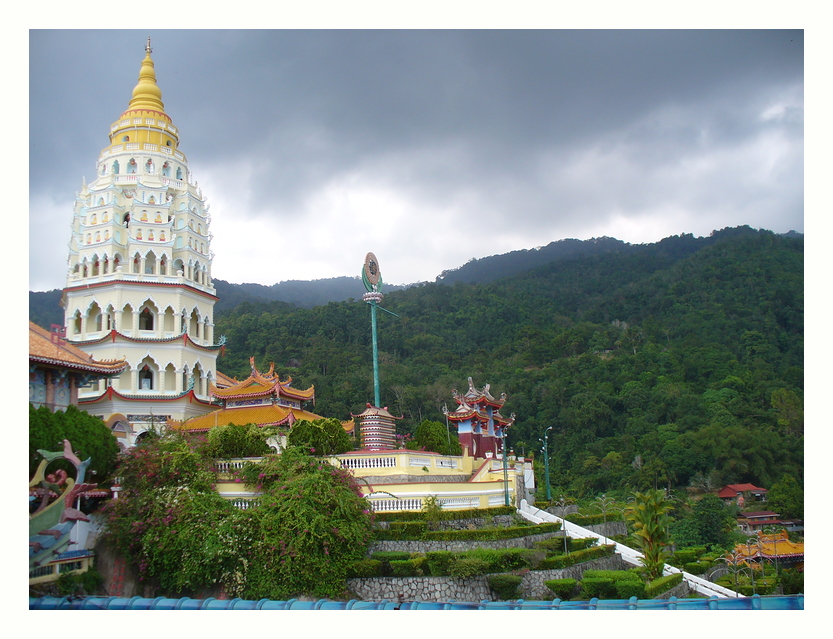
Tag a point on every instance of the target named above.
point(131, 166)
point(146, 378)
point(136, 263)
point(163, 263)
point(178, 173)
point(145, 320)
point(116, 167)
point(150, 260)
point(166, 170)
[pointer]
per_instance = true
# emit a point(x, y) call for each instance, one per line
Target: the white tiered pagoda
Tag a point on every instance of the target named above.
point(139, 280)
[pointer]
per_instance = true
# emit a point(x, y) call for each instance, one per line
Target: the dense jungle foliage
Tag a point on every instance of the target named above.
point(665, 364)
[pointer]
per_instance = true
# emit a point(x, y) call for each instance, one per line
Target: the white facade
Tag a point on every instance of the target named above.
point(139, 272)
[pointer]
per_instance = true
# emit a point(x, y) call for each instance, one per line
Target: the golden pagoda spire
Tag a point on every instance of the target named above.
point(147, 96)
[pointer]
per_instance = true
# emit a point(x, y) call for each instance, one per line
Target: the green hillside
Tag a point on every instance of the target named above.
point(662, 364)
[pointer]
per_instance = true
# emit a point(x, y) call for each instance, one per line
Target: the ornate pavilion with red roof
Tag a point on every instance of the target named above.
point(480, 426)
point(261, 398)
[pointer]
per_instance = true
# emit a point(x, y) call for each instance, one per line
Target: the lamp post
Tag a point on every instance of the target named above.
point(546, 462)
point(603, 504)
point(562, 506)
point(505, 470)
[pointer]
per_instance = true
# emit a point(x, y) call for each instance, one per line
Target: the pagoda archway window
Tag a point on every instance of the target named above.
point(136, 263)
point(103, 169)
point(94, 219)
point(145, 378)
point(95, 266)
point(116, 167)
point(144, 217)
point(150, 260)
point(132, 166)
point(178, 173)
point(126, 138)
point(76, 323)
point(116, 261)
point(145, 320)
point(166, 170)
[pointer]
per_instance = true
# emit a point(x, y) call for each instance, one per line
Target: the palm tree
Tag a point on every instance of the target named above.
point(648, 514)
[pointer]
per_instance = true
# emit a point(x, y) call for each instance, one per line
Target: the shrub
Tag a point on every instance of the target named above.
point(461, 567)
point(626, 589)
point(696, 567)
point(682, 557)
point(491, 534)
point(448, 515)
point(365, 568)
point(601, 587)
point(562, 588)
point(402, 568)
point(662, 585)
point(437, 562)
point(506, 586)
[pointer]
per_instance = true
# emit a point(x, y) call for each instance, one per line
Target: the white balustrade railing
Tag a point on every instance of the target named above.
point(446, 463)
point(368, 462)
point(387, 505)
point(420, 461)
point(177, 184)
point(243, 504)
point(459, 503)
point(151, 147)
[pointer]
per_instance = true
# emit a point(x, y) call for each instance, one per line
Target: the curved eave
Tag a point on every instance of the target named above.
point(110, 393)
point(106, 371)
point(83, 287)
point(113, 334)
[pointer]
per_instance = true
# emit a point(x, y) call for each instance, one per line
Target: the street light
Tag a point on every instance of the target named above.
point(562, 505)
point(547, 462)
point(603, 504)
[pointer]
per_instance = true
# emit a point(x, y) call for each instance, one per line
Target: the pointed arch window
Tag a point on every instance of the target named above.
point(178, 173)
point(132, 166)
point(166, 169)
point(146, 378)
point(146, 320)
point(116, 167)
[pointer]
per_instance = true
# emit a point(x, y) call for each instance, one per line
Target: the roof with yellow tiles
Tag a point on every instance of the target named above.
point(259, 384)
point(266, 415)
point(50, 349)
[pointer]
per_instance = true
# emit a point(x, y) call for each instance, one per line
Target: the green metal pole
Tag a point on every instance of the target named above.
point(376, 394)
point(505, 474)
point(547, 468)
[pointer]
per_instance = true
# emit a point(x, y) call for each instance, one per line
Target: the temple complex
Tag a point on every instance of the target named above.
point(261, 398)
point(139, 283)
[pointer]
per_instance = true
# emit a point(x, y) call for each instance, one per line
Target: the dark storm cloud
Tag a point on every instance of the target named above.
point(542, 134)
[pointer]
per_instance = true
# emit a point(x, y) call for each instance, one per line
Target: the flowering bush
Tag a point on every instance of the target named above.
point(312, 523)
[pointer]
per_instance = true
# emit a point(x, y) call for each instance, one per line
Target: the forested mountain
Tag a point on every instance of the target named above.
point(660, 364)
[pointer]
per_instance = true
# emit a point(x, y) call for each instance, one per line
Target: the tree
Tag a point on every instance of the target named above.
point(648, 514)
point(88, 435)
point(169, 521)
point(320, 437)
point(786, 497)
point(433, 436)
point(709, 522)
point(310, 524)
point(231, 440)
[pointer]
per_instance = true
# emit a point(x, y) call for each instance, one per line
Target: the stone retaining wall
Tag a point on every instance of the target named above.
point(472, 589)
point(501, 521)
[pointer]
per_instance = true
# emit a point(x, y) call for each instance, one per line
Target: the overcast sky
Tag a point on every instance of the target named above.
point(430, 148)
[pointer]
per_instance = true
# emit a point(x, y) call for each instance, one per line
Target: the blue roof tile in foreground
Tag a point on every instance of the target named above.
point(755, 602)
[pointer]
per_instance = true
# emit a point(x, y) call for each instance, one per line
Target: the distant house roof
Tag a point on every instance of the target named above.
point(731, 491)
point(759, 514)
point(50, 349)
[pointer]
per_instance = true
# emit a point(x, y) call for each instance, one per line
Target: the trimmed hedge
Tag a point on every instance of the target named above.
point(578, 557)
point(448, 515)
point(365, 568)
point(491, 534)
point(662, 585)
point(626, 589)
point(437, 562)
point(506, 586)
point(592, 520)
point(601, 587)
point(464, 567)
point(562, 588)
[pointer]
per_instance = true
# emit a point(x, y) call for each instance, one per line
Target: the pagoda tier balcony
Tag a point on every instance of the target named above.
point(123, 276)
